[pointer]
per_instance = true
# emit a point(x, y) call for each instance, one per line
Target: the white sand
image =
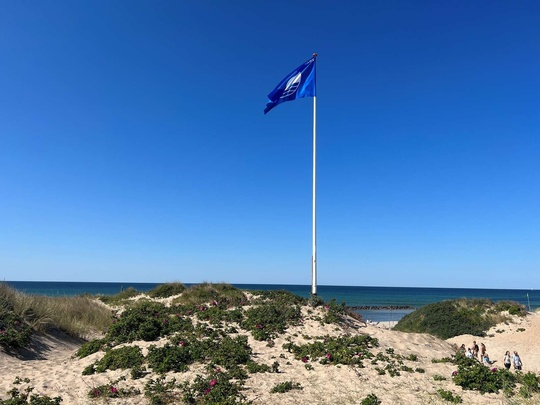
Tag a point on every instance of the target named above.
point(56, 372)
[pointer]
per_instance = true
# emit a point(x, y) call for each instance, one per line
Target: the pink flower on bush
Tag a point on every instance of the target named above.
point(326, 307)
point(213, 382)
point(454, 373)
point(214, 303)
point(114, 391)
point(259, 326)
point(304, 359)
point(182, 343)
point(328, 356)
point(207, 391)
point(218, 370)
point(165, 321)
point(96, 393)
point(494, 370)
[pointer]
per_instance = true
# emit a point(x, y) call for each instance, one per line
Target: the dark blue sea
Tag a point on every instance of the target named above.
point(351, 295)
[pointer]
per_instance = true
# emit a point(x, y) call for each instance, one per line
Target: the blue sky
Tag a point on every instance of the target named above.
point(133, 145)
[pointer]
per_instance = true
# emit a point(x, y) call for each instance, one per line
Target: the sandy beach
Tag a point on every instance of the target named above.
point(53, 370)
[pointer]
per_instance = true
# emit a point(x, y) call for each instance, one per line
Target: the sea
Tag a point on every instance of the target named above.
point(389, 301)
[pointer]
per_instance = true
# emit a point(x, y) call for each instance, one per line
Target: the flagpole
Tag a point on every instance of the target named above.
point(314, 213)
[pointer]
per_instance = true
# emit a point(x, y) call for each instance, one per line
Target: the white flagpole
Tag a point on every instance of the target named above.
point(314, 217)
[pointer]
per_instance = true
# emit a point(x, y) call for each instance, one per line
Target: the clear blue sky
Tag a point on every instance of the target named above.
point(133, 145)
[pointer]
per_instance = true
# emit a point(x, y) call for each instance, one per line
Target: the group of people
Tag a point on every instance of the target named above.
point(479, 352)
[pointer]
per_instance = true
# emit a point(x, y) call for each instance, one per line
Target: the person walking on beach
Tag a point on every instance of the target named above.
point(469, 353)
point(507, 360)
point(517, 361)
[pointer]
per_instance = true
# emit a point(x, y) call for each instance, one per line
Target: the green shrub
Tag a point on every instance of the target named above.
point(278, 297)
point(145, 321)
point(371, 399)
point(286, 387)
point(160, 391)
point(122, 296)
point(224, 295)
point(269, 320)
point(449, 396)
point(350, 350)
point(254, 367)
point(89, 348)
point(471, 375)
point(451, 318)
point(14, 331)
point(122, 358)
point(230, 352)
point(169, 358)
point(530, 384)
point(166, 290)
point(216, 388)
point(334, 312)
point(112, 390)
point(514, 308)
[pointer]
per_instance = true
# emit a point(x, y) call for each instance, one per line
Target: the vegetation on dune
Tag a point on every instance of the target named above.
point(22, 314)
point(121, 298)
point(209, 328)
point(167, 290)
point(222, 294)
point(451, 318)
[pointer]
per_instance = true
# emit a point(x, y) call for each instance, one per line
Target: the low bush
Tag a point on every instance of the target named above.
point(160, 391)
point(169, 358)
point(286, 386)
point(122, 358)
point(121, 297)
point(471, 375)
point(451, 318)
point(14, 332)
point(350, 350)
point(371, 399)
point(112, 390)
point(222, 294)
point(215, 388)
point(270, 320)
point(144, 321)
point(449, 396)
point(167, 290)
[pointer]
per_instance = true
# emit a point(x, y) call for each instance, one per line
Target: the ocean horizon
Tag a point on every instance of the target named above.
point(390, 300)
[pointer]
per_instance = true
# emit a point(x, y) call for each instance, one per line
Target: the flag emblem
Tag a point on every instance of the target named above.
point(299, 83)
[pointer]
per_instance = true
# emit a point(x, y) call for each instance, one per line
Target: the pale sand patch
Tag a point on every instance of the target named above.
point(53, 371)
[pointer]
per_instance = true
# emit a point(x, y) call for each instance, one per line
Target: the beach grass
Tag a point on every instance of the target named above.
point(80, 316)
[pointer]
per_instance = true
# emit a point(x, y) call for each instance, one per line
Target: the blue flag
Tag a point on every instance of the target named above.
point(297, 84)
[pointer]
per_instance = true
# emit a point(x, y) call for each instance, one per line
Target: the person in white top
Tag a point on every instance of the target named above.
point(517, 361)
point(507, 360)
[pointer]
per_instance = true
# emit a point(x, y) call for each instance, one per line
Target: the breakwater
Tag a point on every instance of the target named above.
point(379, 307)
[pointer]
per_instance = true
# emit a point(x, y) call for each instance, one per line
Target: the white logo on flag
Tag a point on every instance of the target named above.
point(292, 85)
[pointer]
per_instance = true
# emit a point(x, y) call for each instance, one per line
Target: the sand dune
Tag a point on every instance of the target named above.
point(54, 371)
